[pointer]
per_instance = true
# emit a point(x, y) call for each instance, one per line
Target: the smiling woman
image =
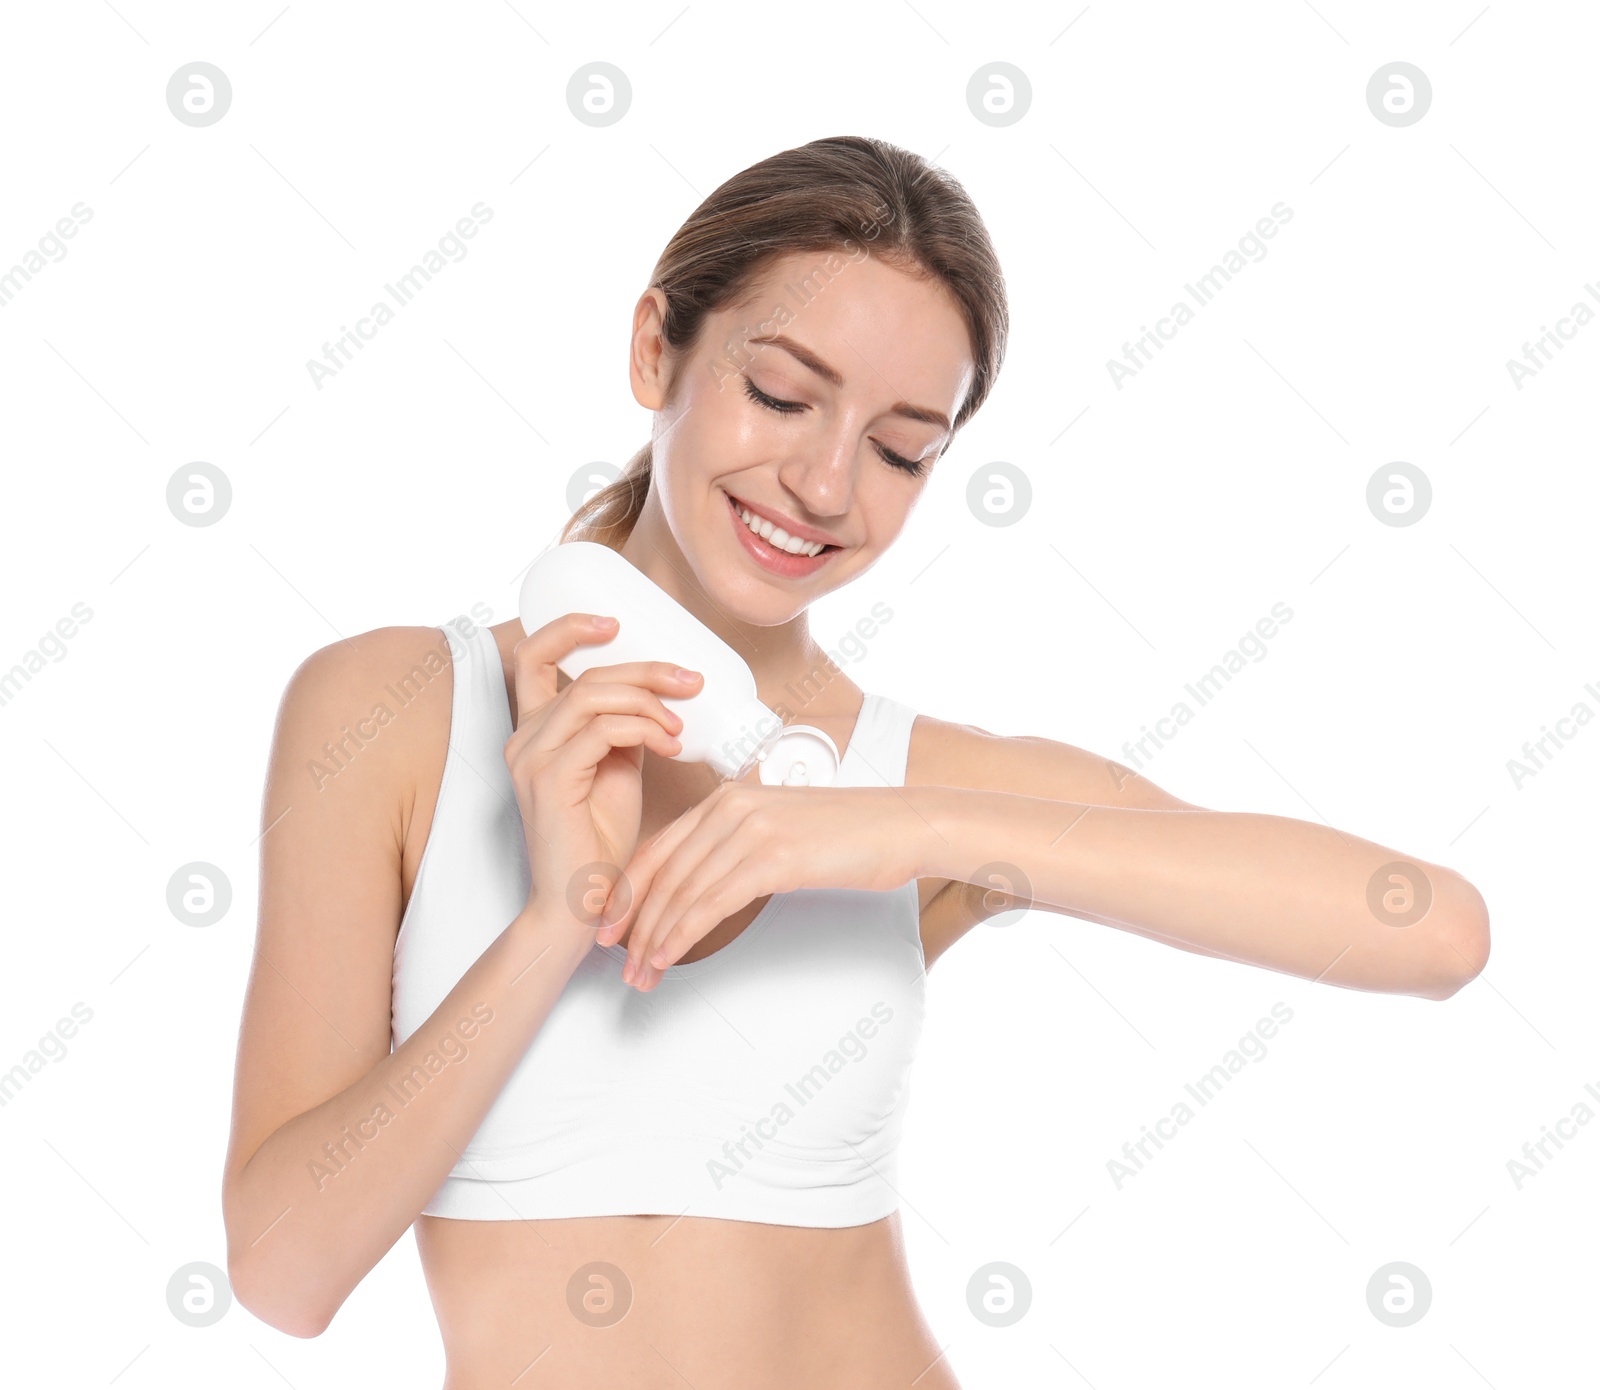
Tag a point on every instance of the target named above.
point(692, 1180)
point(819, 455)
point(669, 1156)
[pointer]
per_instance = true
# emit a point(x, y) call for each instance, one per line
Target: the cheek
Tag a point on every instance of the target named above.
point(704, 443)
point(887, 510)
point(720, 419)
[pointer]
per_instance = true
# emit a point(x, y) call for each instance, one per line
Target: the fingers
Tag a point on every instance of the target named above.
point(661, 905)
point(685, 898)
point(535, 662)
point(606, 732)
point(562, 719)
point(720, 898)
point(709, 907)
point(534, 659)
point(642, 878)
point(641, 870)
point(648, 857)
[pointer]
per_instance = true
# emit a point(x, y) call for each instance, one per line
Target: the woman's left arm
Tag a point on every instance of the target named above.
point(1268, 890)
point(1087, 837)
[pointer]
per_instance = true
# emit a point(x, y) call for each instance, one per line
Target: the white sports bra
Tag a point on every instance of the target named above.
point(765, 1082)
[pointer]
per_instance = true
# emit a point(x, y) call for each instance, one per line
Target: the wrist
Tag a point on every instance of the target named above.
point(550, 925)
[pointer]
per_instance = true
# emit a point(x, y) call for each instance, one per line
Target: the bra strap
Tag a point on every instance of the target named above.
point(882, 745)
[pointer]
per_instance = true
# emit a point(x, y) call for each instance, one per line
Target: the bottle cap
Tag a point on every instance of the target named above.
point(795, 755)
point(801, 756)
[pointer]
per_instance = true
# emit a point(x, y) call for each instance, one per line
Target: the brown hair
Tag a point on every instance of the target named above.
point(840, 192)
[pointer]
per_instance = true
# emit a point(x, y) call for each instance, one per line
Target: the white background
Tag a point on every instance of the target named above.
point(1168, 516)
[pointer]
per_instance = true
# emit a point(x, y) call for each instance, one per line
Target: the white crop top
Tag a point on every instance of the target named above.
point(765, 1082)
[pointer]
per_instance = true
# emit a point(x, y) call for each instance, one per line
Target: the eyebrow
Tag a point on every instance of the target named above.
point(807, 358)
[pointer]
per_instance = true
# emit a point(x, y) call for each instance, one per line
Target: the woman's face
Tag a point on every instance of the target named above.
point(877, 364)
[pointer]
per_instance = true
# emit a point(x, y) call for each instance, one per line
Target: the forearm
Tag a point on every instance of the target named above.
point(1270, 890)
point(328, 1193)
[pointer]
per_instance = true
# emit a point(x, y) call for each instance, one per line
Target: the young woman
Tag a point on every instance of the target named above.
point(629, 1048)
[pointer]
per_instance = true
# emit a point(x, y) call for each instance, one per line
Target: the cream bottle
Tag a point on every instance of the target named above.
point(725, 725)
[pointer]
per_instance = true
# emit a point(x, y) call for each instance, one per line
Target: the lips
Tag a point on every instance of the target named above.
point(769, 557)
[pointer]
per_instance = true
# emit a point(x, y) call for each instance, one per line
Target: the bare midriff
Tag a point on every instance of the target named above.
point(708, 1303)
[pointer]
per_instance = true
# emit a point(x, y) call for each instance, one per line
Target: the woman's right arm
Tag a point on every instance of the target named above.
point(316, 1190)
point(326, 1168)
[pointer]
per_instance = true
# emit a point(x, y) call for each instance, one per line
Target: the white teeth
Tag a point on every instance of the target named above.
point(776, 536)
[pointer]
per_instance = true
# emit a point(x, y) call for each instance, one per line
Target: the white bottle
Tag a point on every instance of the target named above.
point(725, 725)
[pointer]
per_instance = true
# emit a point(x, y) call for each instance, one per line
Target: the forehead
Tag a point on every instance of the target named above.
point(882, 328)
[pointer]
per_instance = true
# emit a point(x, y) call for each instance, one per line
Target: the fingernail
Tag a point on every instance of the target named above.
point(601, 622)
point(684, 674)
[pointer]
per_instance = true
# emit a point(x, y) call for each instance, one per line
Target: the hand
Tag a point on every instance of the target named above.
point(575, 759)
point(746, 840)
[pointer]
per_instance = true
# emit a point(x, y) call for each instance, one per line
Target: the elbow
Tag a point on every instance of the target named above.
point(280, 1282)
point(274, 1300)
point(1461, 943)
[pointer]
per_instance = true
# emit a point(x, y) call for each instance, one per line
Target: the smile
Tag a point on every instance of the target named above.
point(772, 547)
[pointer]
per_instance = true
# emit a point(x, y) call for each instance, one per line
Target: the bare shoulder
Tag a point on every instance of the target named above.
point(372, 715)
point(948, 754)
point(361, 687)
point(382, 652)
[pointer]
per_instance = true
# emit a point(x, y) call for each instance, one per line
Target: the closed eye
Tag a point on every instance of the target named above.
point(760, 397)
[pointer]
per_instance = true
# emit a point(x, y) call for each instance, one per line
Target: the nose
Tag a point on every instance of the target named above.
point(823, 479)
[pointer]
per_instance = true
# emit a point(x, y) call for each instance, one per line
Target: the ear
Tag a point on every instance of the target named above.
point(647, 350)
